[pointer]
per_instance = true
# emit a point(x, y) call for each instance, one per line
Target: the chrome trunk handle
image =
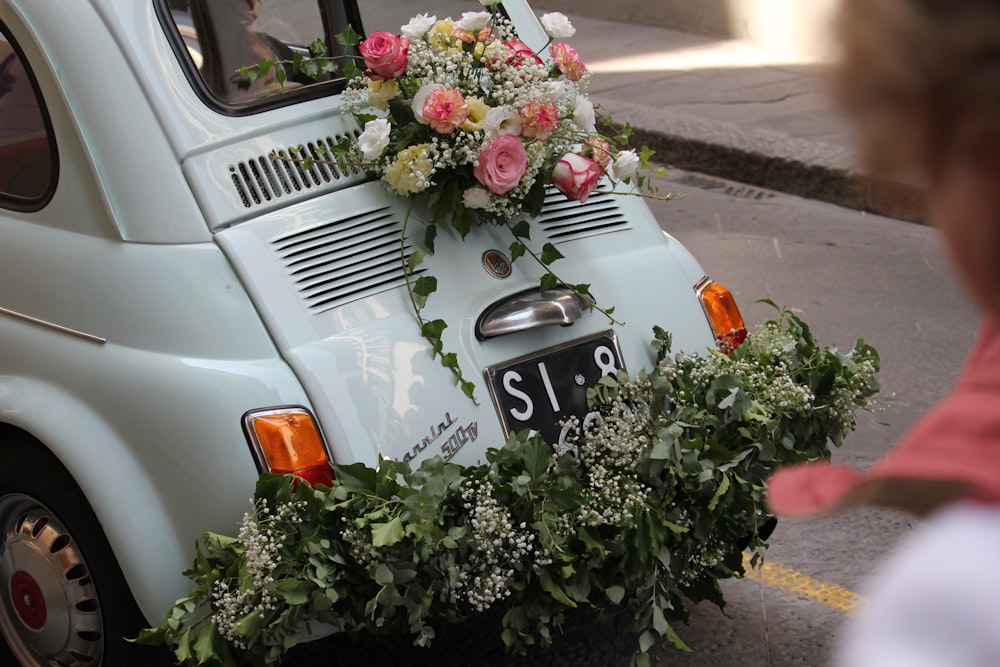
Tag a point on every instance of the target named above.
point(560, 305)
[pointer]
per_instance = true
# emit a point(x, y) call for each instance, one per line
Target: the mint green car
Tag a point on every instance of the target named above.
point(179, 312)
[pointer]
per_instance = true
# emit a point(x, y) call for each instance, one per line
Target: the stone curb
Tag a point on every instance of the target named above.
point(768, 160)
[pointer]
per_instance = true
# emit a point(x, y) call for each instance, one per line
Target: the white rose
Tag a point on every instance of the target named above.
point(418, 26)
point(375, 138)
point(583, 114)
point(557, 26)
point(502, 120)
point(489, 3)
point(626, 165)
point(473, 21)
point(476, 197)
point(420, 99)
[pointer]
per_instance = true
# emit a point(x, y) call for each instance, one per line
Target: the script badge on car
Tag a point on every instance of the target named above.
point(541, 390)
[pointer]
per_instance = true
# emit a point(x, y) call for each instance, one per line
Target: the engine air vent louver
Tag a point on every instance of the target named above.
point(563, 220)
point(264, 179)
point(345, 260)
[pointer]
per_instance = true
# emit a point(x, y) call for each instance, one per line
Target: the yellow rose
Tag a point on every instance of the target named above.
point(380, 92)
point(477, 114)
point(410, 172)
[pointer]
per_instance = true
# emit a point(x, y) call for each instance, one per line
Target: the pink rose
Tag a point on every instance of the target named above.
point(385, 54)
point(501, 164)
point(444, 110)
point(568, 61)
point(521, 53)
point(538, 119)
point(576, 176)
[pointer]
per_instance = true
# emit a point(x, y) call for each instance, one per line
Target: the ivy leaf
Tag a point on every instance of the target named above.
point(550, 254)
point(347, 37)
point(521, 230)
point(248, 73)
point(317, 47)
point(548, 282)
point(423, 287)
point(430, 233)
point(433, 329)
point(517, 249)
point(535, 199)
point(462, 220)
point(414, 260)
point(469, 389)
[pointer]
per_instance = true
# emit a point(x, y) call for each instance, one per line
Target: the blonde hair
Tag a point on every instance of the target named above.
point(911, 72)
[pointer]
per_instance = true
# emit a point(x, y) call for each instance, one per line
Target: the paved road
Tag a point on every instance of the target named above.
point(851, 275)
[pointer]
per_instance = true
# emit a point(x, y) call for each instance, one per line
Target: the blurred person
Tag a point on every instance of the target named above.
point(921, 81)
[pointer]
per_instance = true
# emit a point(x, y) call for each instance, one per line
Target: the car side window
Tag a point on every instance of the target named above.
point(27, 155)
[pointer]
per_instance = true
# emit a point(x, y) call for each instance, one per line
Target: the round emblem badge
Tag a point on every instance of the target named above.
point(496, 264)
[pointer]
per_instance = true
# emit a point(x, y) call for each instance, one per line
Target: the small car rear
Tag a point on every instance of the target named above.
point(180, 311)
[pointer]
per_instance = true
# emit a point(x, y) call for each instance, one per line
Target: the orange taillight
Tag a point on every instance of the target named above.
point(723, 314)
point(287, 440)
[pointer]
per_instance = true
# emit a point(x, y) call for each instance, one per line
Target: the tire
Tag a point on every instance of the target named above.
point(63, 599)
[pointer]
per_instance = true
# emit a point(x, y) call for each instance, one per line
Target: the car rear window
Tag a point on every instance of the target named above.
point(215, 38)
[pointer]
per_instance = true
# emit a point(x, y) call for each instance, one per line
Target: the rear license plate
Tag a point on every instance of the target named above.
point(540, 390)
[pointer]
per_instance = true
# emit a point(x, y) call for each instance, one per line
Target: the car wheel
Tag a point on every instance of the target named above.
point(63, 599)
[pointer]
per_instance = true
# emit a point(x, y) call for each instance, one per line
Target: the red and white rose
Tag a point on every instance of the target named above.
point(576, 176)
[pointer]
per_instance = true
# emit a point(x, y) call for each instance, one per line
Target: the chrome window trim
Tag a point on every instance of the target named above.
point(52, 325)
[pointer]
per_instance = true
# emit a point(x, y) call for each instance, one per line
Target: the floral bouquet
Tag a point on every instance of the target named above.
point(471, 116)
point(467, 117)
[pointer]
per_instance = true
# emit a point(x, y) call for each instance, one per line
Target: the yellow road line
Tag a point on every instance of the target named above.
point(795, 583)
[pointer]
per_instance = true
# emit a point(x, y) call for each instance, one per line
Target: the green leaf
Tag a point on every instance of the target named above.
point(317, 47)
point(550, 254)
point(424, 286)
point(521, 229)
point(387, 534)
point(383, 575)
point(548, 282)
point(554, 589)
point(430, 234)
point(355, 477)
point(719, 493)
point(414, 260)
point(536, 456)
point(347, 37)
point(615, 594)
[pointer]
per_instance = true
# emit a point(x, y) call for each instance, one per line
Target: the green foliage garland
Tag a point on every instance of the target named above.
point(642, 508)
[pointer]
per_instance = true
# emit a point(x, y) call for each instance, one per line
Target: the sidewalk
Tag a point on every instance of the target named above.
point(732, 109)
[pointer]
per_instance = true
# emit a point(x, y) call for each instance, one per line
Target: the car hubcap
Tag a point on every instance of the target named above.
point(49, 612)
